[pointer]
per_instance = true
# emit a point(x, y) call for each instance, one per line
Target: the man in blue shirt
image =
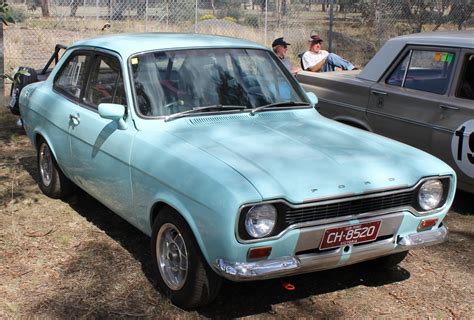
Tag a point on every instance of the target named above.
point(280, 47)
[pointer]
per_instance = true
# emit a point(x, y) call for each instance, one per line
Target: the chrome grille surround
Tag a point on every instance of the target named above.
point(391, 197)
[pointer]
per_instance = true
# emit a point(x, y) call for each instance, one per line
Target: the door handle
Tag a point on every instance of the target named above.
point(378, 93)
point(444, 107)
point(75, 119)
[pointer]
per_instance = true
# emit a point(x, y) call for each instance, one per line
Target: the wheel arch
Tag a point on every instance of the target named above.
point(158, 208)
point(353, 122)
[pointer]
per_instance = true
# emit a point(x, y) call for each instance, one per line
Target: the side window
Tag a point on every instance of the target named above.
point(105, 83)
point(466, 87)
point(424, 70)
point(72, 77)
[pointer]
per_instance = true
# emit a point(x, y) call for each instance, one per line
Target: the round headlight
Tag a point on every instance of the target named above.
point(430, 194)
point(260, 220)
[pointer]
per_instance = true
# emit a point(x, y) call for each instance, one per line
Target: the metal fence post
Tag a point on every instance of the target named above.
point(266, 22)
point(378, 22)
point(196, 18)
point(146, 15)
point(331, 22)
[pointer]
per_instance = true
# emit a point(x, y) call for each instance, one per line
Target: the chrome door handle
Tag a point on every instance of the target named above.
point(74, 119)
point(378, 93)
point(443, 106)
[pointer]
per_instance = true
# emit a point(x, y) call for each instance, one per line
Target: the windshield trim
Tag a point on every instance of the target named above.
point(291, 79)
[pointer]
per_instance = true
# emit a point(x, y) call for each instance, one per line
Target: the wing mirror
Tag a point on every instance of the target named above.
point(114, 112)
point(313, 100)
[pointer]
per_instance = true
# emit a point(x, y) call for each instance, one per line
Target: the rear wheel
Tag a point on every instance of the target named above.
point(183, 274)
point(52, 181)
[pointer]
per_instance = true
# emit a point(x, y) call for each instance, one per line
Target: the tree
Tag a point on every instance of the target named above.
point(44, 8)
point(6, 13)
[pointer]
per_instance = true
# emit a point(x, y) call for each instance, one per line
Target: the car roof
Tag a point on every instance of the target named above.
point(374, 70)
point(127, 44)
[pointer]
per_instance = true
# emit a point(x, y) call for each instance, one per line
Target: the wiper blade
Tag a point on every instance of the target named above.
point(205, 108)
point(276, 104)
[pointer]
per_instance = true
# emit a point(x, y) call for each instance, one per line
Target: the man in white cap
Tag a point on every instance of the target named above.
point(317, 60)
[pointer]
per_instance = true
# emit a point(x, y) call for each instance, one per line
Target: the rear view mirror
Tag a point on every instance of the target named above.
point(114, 112)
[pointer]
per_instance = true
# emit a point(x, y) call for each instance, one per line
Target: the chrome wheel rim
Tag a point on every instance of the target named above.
point(172, 256)
point(45, 164)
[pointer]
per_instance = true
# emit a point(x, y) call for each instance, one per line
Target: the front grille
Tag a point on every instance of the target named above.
point(348, 207)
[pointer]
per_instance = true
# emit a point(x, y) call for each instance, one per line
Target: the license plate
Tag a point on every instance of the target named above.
point(357, 233)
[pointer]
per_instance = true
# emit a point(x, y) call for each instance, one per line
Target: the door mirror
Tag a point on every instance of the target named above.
point(114, 112)
point(313, 100)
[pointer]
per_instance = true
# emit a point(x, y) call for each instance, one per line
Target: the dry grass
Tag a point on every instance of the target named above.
point(75, 259)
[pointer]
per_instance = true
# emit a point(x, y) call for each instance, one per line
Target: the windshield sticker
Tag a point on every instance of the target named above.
point(437, 56)
point(449, 58)
point(134, 60)
point(462, 147)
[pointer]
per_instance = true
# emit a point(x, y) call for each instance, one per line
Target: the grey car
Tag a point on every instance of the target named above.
point(418, 89)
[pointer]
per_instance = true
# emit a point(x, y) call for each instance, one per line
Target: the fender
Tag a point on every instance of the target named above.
point(353, 122)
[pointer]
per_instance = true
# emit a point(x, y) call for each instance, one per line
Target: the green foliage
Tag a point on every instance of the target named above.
point(13, 76)
point(207, 17)
point(230, 19)
point(18, 14)
point(6, 13)
point(230, 10)
point(252, 21)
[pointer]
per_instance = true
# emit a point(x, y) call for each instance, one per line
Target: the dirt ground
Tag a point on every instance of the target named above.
point(76, 259)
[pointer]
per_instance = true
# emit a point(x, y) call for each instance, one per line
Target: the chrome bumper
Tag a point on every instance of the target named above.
point(291, 265)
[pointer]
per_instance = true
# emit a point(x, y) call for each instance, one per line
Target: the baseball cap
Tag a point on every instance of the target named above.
point(280, 42)
point(315, 38)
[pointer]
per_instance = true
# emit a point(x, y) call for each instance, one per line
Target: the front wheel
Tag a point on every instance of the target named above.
point(52, 181)
point(183, 274)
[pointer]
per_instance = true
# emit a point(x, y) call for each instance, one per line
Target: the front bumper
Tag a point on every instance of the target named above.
point(291, 265)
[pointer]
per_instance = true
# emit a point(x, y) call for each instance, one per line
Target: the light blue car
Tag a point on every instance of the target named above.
point(208, 145)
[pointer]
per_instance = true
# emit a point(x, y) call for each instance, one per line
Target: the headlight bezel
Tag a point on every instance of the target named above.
point(277, 228)
point(446, 185)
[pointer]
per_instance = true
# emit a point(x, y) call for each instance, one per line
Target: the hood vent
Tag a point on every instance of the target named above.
point(203, 121)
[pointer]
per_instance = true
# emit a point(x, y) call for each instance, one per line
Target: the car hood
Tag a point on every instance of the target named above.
point(302, 156)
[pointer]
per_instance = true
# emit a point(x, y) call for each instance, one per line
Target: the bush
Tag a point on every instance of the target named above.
point(207, 17)
point(252, 21)
point(230, 19)
point(230, 11)
point(18, 14)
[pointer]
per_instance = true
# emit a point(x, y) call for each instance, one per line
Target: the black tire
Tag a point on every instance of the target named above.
point(391, 261)
point(51, 180)
point(201, 284)
point(21, 81)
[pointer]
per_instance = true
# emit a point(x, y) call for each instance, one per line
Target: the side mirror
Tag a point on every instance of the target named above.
point(313, 100)
point(114, 112)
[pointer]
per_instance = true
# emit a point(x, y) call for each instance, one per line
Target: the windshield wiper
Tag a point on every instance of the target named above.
point(205, 108)
point(276, 104)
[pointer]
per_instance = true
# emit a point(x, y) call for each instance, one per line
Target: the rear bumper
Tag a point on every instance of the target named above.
point(291, 265)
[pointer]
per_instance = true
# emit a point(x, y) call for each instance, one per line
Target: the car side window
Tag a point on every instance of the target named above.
point(424, 70)
point(105, 84)
point(73, 75)
point(466, 87)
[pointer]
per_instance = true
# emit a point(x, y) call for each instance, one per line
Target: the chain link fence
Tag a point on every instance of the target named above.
point(355, 29)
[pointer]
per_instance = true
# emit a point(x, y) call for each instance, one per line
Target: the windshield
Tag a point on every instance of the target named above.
point(171, 82)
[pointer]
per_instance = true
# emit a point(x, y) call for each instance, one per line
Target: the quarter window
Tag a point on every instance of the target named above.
point(72, 77)
point(424, 70)
point(466, 88)
point(105, 83)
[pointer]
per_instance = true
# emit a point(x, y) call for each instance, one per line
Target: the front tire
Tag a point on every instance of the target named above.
point(183, 274)
point(52, 181)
